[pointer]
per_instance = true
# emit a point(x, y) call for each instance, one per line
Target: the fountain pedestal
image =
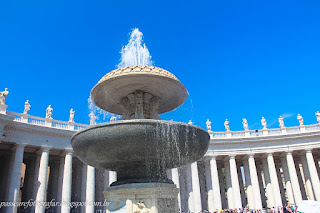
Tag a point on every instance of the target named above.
point(142, 198)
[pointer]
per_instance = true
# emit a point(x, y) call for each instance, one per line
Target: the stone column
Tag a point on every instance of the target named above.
point(213, 186)
point(222, 188)
point(210, 199)
point(307, 177)
point(229, 185)
point(215, 183)
point(274, 181)
point(313, 174)
point(293, 177)
point(90, 191)
point(112, 177)
point(67, 182)
point(175, 179)
point(42, 180)
point(250, 195)
point(14, 188)
point(235, 182)
point(255, 182)
point(196, 187)
point(36, 183)
point(287, 181)
point(267, 179)
point(189, 188)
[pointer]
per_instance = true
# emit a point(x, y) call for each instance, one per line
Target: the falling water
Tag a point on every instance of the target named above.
point(100, 114)
point(135, 52)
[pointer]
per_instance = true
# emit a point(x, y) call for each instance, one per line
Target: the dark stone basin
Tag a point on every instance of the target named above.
point(140, 150)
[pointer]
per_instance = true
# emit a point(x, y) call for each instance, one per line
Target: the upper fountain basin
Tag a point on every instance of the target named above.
point(117, 84)
point(121, 145)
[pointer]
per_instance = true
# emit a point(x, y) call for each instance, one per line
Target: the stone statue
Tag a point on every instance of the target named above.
point(71, 117)
point(113, 118)
point(139, 105)
point(264, 123)
point(245, 124)
point(92, 118)
point(190, 122)
point(208, 125)
point(226, 125)
point(125, 106)
point(281, 122)
point(318, 116)
point(154, 108)
point(3, 96)
point(49, 112)
point(27, 107)
point(300, 119)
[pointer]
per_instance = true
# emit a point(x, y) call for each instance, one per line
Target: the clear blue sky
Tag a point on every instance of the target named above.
point(238, 59)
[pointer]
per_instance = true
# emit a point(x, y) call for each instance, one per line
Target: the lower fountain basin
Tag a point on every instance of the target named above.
point(140, 150)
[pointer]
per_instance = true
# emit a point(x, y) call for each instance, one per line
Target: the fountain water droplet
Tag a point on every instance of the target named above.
point(135, 52)
point(100, 114)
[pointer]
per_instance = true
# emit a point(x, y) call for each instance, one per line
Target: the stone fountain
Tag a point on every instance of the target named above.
point(140, 147)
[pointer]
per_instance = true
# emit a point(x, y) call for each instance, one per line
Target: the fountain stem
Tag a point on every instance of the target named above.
point(140, 105)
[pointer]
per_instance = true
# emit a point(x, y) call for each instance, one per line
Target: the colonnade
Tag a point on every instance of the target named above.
point(257, 180)
point(214, 182)
point(46, 177)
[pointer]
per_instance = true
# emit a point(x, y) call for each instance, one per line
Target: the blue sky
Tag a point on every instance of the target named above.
point(237, 59)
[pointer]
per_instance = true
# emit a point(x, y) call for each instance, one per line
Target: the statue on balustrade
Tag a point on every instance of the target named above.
point(208, 125)
point(190, 122)
point(27, 107)
point(245, 124)
point(300, 119)
point(281, 122)
point(49, 112)
point(92, 118)
point(3, 96)
point(264, 123)
point(71, 117)
point(226, 125)
point(318, 116)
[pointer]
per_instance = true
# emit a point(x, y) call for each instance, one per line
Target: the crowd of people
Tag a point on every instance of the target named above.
point(286, 209)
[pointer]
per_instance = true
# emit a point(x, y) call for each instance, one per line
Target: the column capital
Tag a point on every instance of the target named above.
point(289, 152)
point(210, 156)
point(45, 148)
point(68, 151)
point(251, 155)
point(308, 150)
point(269, 154)
point(232, 156)
point(20, 145)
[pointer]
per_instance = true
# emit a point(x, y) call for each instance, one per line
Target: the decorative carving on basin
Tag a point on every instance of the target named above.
point(140, 150)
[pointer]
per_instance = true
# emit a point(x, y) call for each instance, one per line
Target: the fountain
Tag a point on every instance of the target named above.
point(140, 147)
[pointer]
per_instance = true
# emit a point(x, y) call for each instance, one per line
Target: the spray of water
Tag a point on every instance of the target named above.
point(100, 114)
point(135, 52)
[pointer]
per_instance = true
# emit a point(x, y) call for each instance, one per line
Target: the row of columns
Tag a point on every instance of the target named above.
point(39, 184)
point(273, 184)
point(223, 190)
